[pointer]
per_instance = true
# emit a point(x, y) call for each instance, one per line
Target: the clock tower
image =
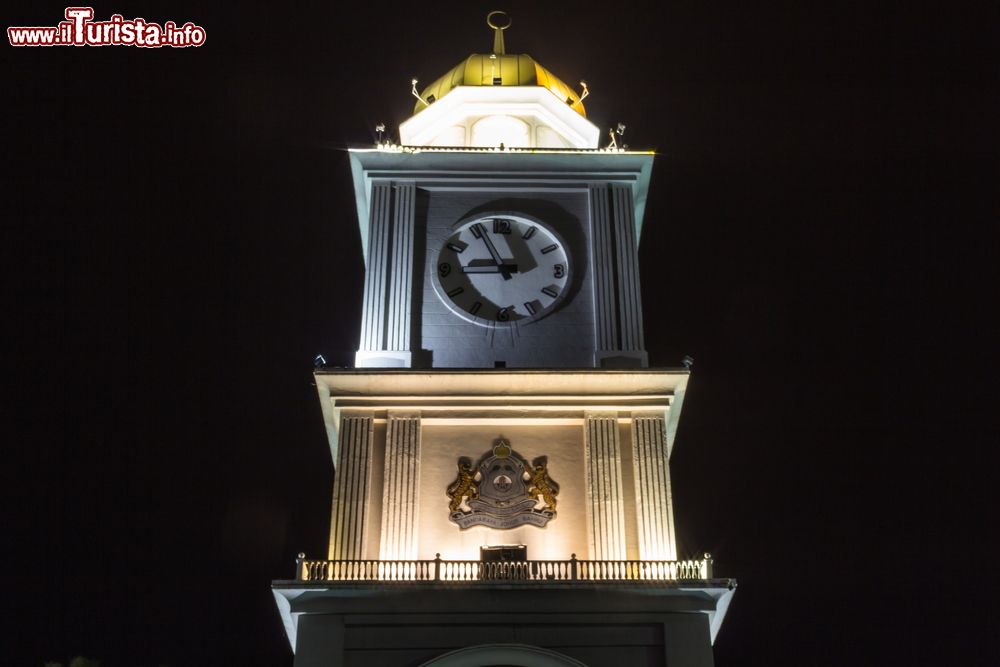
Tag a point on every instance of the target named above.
point(501, 449)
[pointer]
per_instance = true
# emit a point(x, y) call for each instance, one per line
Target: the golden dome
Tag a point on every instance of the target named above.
point(499, 69)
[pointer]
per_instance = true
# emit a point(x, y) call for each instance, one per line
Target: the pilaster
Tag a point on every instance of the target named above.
point(626, 248)
point(603, 265)
point(653, 501)
point(617, 294)
point(401, 484)
point(605, 506)
point(386, 322)
point(351, 488)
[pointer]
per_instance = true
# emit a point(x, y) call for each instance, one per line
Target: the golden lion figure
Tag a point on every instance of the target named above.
point(542, 486)
point(464, 486)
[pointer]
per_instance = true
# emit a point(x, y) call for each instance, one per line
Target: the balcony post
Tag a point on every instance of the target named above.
point(300, 570)
point(437, 567)
point(572, 567)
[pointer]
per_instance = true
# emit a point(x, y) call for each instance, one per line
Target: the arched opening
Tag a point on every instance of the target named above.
point(503, 655)
point(491, 131)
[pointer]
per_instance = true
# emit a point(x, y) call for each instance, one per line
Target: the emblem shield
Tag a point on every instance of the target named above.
point(501, 497)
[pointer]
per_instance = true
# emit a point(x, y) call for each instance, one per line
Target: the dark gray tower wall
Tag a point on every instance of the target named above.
point(409, 207)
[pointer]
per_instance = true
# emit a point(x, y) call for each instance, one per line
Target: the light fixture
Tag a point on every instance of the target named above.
point(413, 91)
point(620, 131)
point(319, 361)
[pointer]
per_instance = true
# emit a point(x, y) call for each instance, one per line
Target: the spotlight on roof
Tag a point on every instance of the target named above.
point(380, 128)
point(586, 91)
point(413, 91)
point(614, 134)
point(687, 362)
point(319, 361)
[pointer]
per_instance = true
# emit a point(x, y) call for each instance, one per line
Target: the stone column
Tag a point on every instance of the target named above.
point(687, 640)
point(351, 488)
point(627, 250)
point(401, 487)
point(617, 293)
point(397, 326)
point(376, 269)
point(319, 641)
point(653, 501)
point(386, 321)
point(605, 509)
point(604, 271)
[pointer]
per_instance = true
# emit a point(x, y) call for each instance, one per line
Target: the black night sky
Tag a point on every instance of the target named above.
point(180, 239)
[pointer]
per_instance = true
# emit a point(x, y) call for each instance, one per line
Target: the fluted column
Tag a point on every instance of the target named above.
point(605, 507)
point(617, 293)
point(605, 319)
point(386, 321)
point(400, 297)
point(654, 505)
point(351, 488)
point(377, 268)
point(401, 484)
point(627, 250)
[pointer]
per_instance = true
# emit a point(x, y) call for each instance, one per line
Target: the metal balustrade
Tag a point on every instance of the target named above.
point(536, 571)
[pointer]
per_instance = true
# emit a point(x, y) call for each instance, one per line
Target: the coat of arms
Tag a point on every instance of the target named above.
point(502, 491)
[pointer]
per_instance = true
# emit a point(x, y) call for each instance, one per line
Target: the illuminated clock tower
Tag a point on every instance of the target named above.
point(501, 450)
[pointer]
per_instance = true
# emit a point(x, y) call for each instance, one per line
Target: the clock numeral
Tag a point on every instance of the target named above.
point(444, 268)
point(501, 226)
point(477, 230)
point(456, 248)
point(503, 314)
point(558, 271)
point(456, 291)
point(530, 307)
point(549, 248)
point(475, 307)
point(528, 234)
point(550, 292)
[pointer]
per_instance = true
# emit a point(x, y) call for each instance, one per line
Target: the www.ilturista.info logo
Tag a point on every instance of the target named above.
point(80, 30)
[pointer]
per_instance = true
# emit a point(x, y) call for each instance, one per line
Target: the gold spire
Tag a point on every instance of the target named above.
point(498, 27)
point(498, 69)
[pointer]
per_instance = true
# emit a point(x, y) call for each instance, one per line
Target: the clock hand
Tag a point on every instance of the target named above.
point(506, 269)
point(478, 227)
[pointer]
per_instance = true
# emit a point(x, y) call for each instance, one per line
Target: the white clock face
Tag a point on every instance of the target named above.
point(502, 268)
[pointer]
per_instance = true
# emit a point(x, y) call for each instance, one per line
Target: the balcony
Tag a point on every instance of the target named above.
point(519, 598)
point(535, 572)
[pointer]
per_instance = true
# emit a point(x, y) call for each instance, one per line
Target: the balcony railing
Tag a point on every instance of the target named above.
point(439, 570)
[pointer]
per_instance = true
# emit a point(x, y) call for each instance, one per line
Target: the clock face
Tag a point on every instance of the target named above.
point(502, 268)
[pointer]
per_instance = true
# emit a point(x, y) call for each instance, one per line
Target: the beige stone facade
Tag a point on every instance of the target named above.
point(606, 436)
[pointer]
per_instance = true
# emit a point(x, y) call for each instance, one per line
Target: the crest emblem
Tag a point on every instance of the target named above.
point(502, 491)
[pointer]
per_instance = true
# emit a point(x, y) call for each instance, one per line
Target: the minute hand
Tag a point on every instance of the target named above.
point(493, 250)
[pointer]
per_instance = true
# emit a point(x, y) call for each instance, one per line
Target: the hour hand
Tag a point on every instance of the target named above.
point(480, 232)
point(505, 269)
